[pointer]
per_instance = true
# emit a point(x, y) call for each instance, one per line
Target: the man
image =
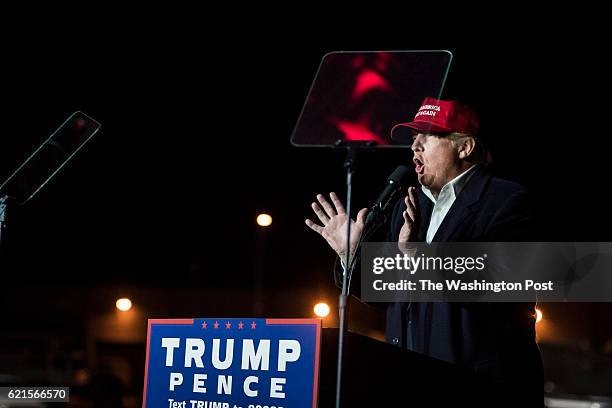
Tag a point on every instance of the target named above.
point(457, 201)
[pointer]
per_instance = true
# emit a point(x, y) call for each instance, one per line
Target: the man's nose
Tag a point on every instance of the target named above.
point(416, 145)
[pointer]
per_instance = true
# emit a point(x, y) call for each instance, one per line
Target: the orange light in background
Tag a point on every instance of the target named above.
point(321, 309)
point(123, 304)
point(538, 315)
point(264, 220)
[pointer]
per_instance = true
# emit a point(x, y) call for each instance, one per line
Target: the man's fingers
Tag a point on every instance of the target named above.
point(409, 223)
point(411, 203)
point(320, 213)
point(407, 218)
point(361, 216)
point(315, 227)
point(410, 207)
point(329, 210)
point(410, 211)
point(413, 197)
point(337, 203)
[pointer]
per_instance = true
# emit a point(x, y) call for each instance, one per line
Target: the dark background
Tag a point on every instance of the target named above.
point(160, 206)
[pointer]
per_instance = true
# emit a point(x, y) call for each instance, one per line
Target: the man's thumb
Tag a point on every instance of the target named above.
point(361, 216)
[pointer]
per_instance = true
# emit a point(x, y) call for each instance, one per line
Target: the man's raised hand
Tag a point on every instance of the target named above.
point(334, 220)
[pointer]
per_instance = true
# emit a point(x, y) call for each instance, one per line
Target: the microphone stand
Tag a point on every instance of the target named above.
point(349, 165)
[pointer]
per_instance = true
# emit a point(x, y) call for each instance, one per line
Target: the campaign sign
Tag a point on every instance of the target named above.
point(232, 363)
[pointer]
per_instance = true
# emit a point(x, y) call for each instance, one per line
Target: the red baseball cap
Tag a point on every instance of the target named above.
point(438, 116)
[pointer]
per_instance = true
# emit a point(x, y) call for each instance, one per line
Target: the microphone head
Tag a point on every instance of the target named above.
point(400, 176)
point(397, 181)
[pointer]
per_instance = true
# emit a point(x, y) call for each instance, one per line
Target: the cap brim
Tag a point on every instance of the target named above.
point(402, 132)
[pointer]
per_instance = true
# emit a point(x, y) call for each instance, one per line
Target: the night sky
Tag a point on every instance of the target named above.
point(195, 142)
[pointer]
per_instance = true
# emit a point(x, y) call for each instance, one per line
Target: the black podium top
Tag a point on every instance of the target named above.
point(377, 374)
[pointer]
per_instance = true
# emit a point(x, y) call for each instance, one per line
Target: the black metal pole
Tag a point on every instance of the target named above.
point(343, 298)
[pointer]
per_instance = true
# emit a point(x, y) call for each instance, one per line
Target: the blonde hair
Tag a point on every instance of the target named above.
point(478, 154)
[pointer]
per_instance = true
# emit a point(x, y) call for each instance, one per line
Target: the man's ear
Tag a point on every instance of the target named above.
point(466, 147)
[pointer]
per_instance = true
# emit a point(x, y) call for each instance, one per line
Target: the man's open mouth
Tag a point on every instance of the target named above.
point(419, 165)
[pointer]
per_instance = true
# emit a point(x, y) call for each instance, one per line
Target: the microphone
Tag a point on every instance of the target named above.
point(397, 181)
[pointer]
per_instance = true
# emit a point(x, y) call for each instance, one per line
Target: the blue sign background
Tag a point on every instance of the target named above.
point(301, 376)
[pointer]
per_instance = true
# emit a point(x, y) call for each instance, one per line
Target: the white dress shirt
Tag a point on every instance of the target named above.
point(446, 198)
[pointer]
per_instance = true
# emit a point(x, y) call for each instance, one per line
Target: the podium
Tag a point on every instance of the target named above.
point(377, 374)
point(245, 362)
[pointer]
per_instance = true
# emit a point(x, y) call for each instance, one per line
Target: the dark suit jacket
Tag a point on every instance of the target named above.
point(496, 339)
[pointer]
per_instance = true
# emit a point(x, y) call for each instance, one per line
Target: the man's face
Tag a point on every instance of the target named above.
point(436, 160)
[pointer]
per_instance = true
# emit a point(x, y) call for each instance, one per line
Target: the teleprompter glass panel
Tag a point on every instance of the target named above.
point(359, 96)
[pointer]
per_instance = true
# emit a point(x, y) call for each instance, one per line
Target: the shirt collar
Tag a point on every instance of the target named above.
point(454, 186)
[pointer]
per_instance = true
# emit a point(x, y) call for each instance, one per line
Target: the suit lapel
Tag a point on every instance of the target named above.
point(425, 209)
point(461, 208)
